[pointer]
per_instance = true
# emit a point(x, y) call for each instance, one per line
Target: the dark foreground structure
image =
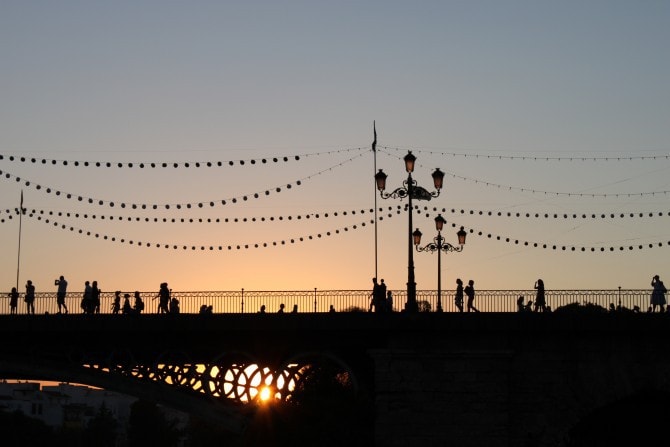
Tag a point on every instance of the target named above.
point(573, 377)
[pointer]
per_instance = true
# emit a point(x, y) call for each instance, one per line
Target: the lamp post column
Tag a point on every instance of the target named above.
point(439, 272)
point(411, 304)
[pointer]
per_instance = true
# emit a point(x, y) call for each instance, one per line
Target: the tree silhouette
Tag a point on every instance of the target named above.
point(147, 425)
point(101, 431)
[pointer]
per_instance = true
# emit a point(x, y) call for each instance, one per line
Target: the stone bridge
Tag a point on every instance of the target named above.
point(435, 379)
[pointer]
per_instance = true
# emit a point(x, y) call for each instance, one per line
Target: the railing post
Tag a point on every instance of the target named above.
point(242, 300)
point(314, 299)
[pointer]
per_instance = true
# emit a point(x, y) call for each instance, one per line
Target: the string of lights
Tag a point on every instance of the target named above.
point(550, 193)
point(199, 220)
point(300, 239)
point(213, 203)
point(571, 248)
point(531, 157)
point(173, 246)
point(327, 214)
point(163, 164)
point(556, 215)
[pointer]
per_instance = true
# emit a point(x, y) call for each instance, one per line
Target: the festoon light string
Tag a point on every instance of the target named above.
point(212, 203)
point(531, 157)
point(200, 220)
point(204, 247)
point(544, 192)
point(163, 164)
point(398, 211)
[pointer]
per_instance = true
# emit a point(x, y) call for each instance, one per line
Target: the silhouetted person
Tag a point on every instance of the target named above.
point(116, 305)
point(262, 310)
point(208, 310)
point(30, 297)
point(163, 298)
point(521, 307)
point(658, 294)
point(174, 305)
point(458, 298)
point(281, 308)
point(389, 301)
point(13, 300)
point(374, 295)
point(295, 309)
point(87, 299)
point(381, 299)
point(127, 308)
point(139, 304)
point(332, 309)
point(540, 303)
point(60, 294)
point(95, 295)
point(470, 293)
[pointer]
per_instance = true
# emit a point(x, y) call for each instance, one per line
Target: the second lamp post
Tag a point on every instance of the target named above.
point(438, 245)
point(411, 190)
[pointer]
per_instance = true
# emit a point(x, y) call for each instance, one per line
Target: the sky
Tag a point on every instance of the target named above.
point(535, 108)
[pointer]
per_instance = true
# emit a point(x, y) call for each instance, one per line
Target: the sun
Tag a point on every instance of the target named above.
point(265, 394)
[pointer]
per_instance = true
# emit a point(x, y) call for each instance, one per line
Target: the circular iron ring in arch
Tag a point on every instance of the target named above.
point(175, 368)
point(304, 369)
point(233, 375)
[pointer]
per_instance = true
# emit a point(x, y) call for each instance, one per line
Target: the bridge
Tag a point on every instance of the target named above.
point(316, 301)
point(497, 379)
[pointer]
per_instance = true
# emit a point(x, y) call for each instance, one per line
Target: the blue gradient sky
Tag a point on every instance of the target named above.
point(504, 85)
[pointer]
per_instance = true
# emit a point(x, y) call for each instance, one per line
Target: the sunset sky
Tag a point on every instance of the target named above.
point(538, 108)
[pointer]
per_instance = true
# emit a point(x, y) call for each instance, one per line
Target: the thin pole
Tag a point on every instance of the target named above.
point(18, 260)
point(374, 152)
point(411, 305)
point(439, 271)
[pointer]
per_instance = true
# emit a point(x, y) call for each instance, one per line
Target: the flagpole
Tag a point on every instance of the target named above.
point(374, 151)
point(18, 261)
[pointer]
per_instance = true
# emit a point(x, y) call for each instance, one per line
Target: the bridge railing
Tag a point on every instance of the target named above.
point(317, 301)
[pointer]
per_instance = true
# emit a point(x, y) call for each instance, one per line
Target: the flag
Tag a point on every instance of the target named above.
point(21, 206)
point(374, 143)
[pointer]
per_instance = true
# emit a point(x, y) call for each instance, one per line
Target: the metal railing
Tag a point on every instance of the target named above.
point(319, 301)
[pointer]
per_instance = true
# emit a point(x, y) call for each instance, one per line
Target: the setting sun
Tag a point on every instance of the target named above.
point(265, 394)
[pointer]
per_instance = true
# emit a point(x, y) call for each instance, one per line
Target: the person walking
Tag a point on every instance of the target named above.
point(470, 293)
point(95, 298)
point(458, 298)
point(127, 309)
point(116, 305)
point(60, 294)
point(13, 300)
point(87, 299)
point(30, 297)
point(374, 296)
point(658, 294)
point(163, 298)
point(139, 304)
point(540, 303)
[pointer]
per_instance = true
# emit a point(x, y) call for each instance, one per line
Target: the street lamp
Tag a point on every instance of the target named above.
point(411, 190)
point(438, 245)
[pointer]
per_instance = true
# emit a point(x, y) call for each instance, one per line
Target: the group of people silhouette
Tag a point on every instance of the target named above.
point(282, 306)
point(540, 304)
point(90, 301)
point(381, 299)
point(461, 292)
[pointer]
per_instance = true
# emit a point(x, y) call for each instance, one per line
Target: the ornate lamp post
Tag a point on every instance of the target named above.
point(438, 245)
point(411, 190)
